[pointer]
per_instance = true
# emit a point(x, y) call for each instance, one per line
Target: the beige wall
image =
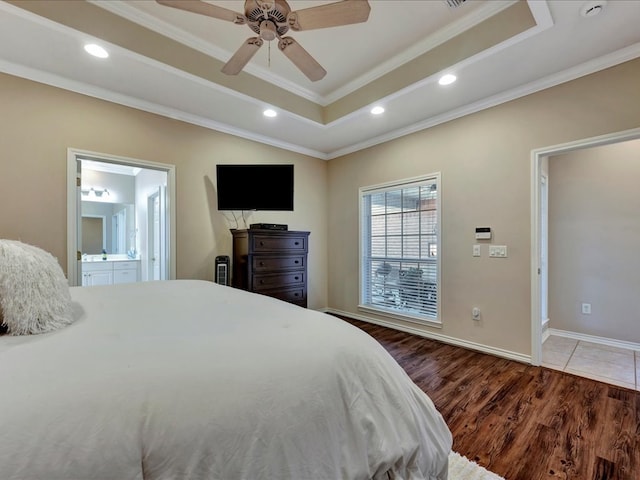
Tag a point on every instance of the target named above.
point(485, 161)
point(594, 234)
point(38, 124)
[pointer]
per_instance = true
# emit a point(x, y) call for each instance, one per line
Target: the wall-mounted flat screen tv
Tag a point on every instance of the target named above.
point(255, 187)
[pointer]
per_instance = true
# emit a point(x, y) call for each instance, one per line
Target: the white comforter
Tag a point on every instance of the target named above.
point(192, 380)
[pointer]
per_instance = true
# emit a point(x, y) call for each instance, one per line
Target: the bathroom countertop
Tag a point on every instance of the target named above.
point(110, 258)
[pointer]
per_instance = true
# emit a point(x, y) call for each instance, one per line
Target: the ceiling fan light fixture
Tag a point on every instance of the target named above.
point(268, 30)
point(377, 110)
point(270, 112)
point(96, 50)
point(447, 79)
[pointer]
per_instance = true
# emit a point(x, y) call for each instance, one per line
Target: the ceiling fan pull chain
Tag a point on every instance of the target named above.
point(269, 56)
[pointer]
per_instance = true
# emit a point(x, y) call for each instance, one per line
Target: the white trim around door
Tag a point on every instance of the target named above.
point(537, 156)
point(74, 156)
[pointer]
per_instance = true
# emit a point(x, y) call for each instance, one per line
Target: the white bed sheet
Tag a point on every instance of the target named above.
point(192, 380)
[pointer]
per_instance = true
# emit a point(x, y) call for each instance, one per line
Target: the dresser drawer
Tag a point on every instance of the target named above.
point(272, 263)
point(272, 243)
point(294, 295)
point(268, 263)
point(271, 281)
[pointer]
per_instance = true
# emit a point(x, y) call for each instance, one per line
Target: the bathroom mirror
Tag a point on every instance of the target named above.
point(107, 226)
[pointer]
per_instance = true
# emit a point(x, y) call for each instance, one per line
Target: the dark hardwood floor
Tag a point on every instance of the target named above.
point(519, 421)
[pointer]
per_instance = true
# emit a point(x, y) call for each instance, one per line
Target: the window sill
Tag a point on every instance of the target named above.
point(407, 317)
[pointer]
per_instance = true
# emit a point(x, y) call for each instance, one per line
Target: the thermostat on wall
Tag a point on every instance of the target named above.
point(483, 233)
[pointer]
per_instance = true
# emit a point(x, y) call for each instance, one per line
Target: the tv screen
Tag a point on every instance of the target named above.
point(255, 187)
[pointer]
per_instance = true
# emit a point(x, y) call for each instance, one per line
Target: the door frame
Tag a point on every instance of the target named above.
point(537, 156)
point(74, 155)
point(160, 194)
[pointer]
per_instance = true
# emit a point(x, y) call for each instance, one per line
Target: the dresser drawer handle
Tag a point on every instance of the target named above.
point(295, 294)
point(262, 264)
point(296, 262)
point(297, 278)
point(261, 282)
point(262, 244)
point(296, 243)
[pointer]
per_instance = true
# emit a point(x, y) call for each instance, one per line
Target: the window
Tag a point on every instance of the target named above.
point(400, 248)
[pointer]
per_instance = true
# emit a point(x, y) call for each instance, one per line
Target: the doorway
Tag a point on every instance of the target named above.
point(125, 235)
point(539, 230)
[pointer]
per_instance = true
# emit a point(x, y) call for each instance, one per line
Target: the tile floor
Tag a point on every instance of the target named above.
point(617, 366)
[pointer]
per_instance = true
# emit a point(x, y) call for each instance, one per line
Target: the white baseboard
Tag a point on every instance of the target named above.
point(545, 330)
point(545, 323)
point(545, 335)
point(478, 347)
point(611, 342)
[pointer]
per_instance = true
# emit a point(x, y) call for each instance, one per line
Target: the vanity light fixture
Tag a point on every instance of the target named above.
point(447, 79)
point(96, 50)
point(269, 112)
point(377, 110)
point(99, 192)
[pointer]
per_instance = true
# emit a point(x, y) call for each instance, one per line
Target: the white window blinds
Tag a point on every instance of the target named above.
point(400, 242)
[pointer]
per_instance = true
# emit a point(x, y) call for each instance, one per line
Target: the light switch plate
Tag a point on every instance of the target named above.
point(498, 251)
point(476, 250)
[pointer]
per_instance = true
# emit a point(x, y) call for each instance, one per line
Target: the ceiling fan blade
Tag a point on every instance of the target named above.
point(204, 8)
point(330, 15)
point(301, 59)
point(242, 56)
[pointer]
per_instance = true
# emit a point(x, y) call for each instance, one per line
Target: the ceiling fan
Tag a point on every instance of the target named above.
point(271, 19)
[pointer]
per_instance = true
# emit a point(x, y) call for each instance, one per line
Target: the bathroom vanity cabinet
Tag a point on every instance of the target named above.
point(109, 272)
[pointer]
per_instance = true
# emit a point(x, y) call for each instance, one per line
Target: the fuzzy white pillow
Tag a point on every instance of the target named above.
point(34, 293)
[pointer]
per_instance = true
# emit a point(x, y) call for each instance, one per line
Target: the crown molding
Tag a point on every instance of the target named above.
point(432, 41)
point(587, 68)
point(607, 61)
point(545, 22)
point(132, 102)
point(452, 30)
point(592, 66)
point(179, 35)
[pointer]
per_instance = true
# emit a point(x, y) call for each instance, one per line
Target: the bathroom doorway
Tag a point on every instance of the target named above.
point(541, 260)
point(118, 189)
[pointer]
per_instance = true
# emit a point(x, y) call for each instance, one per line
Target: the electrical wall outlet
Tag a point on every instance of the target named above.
point(586, 308)
point(475, 313)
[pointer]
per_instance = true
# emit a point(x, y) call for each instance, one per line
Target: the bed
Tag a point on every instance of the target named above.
point(188, 379)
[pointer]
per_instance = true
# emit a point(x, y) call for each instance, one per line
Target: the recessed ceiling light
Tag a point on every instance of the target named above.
point(377, 110)
point(269, 112)
point(96, 50)
point(447, 79)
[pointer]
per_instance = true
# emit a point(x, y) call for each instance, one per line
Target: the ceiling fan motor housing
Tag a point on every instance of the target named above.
point(267, 18)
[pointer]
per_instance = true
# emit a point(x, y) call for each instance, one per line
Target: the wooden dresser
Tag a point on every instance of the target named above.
point(271, 262)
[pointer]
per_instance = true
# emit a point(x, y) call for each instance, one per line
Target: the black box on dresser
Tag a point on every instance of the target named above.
point(271, 262)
